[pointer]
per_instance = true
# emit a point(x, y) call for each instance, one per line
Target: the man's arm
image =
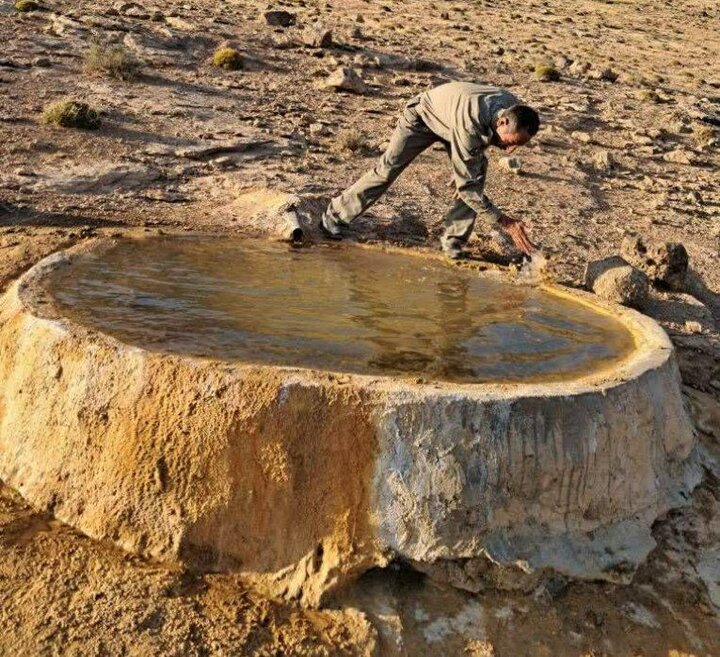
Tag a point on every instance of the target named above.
point(469, 165)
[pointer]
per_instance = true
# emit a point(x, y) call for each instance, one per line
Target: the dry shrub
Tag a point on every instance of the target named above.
point(352, 140)
point(114, 60)
point(71, 114)
point(228, 59)
point(546, 72)
point(26, 5)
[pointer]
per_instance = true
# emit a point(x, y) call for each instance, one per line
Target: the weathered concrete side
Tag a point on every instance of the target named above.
point(303, 479)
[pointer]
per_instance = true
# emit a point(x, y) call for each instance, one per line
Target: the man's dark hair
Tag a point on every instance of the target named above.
point(523, 117)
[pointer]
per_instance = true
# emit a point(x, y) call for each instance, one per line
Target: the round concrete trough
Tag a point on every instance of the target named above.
point(302, 479)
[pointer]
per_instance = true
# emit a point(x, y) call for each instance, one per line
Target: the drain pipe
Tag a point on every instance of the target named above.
point(291, 229)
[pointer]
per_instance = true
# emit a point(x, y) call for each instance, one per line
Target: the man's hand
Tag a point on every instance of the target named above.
point(516, 229)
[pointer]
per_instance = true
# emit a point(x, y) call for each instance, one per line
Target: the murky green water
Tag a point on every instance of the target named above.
point(333, 307)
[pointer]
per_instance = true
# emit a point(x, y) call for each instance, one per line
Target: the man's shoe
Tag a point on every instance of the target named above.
point(330, 229)
point(453, 249)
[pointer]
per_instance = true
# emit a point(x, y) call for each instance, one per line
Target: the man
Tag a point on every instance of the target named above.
point(467, 118)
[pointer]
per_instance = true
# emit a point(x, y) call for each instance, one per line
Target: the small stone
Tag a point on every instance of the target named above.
point(510, 164)
point(603, 161)
point(580, 136)
point(318, 130)
point(316, 36)
point(42, 62)
point(606, 74)
point(279, 18)
point(679, 156)
point(578, 68)
point(346, 79)
point(693, 327)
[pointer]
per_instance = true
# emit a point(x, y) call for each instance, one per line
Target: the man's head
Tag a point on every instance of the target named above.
point(515, 126)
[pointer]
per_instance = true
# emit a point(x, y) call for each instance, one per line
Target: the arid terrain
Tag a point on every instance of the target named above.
point(630, 144)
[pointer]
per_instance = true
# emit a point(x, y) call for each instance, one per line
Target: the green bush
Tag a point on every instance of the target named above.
point(71, 114)
point(228, 58)
point(546, 72)
point(26, 5)
point(115, 61)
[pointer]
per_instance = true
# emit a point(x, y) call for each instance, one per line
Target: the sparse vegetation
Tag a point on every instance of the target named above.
point(71, 114)
point(352, 140)
point(702, 134)
point(113, 60)
point(546, 72)
point(26, 5)
point(228, 59)
point(649, 95)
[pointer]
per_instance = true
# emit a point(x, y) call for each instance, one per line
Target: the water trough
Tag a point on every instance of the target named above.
point(304, 416)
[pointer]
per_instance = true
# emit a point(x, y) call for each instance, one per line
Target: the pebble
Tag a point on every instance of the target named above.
point(346, 79)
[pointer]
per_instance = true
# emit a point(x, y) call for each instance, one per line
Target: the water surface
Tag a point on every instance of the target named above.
point(333, 307)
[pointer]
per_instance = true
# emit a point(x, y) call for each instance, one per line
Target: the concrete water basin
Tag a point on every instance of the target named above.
point(301, 416)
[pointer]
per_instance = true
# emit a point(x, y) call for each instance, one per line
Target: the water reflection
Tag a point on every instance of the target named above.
point(333, 307)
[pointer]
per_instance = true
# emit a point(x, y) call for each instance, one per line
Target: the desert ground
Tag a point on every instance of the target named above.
point(630, 144)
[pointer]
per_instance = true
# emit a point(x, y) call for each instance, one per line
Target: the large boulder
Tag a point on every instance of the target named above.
point(615, 280)
point(664, 262)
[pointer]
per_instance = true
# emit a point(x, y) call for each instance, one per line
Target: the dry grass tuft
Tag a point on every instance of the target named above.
point(228, 59)
point(115, 61)
point(352, 140)
point(546, 72)
point(71, 114)
point(27, 5)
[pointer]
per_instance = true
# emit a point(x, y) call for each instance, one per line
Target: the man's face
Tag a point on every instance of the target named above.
point(507, 138)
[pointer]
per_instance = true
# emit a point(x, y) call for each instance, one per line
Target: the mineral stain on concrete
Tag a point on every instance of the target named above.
point(343, 309)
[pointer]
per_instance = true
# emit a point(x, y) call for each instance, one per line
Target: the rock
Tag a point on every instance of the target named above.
point(606, 74)
point(42, 62)
point(615, 280)
point(510, 164)
point(279, 18)
point(561, 62)
point(318, 130)
point(679, 156)
point(180, 24)
point(664, 262)
point(584, 137)
point(346, 79)
point(316, 36)
point(603, 161)
point(578, 68)
point(99, 177)
point(625, 285)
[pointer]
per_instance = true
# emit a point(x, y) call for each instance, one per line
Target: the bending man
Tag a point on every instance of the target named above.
point(467, 118)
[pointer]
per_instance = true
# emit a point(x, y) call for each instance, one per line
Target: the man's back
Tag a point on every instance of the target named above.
point(465, 106)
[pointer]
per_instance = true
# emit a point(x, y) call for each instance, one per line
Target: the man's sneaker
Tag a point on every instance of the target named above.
point(330, 228)
point(453, 249)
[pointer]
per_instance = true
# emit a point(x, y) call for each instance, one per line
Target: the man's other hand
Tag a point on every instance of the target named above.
point(516, 229)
